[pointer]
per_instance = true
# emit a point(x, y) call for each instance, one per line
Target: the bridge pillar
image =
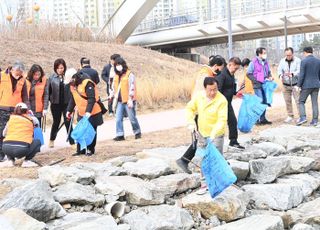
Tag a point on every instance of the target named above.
point(185, 53)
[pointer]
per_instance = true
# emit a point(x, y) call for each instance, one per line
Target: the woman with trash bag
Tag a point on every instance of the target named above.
point(85, 98)
point(19, 141)
point(38, 92)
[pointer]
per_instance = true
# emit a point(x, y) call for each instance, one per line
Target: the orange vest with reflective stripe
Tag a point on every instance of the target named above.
point(19, 128)
point(81, 102)
point(7, 97)
point(124, 86)
point(39, 93)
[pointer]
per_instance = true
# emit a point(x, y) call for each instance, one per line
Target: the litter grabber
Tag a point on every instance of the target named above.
point(70, 125)
point(61, 126)
point(44, 123)
point(50, 164)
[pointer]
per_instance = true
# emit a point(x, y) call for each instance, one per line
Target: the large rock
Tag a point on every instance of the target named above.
point(257, 222)
point(229, 205)
point(71, 219)
point(177, 183)
point(103, 222)
point(302, 144)
point(307, 213)
point(35, 199)
point(275, 196)
point(138, 191)
point(105, 187)
point(314, 154)
point(267, 170)
point(103, 169)
point(77, 194)
point(21, 221)
point(119, 161)
point(57, 175)
point(303, 227)
point(240, 169)
point(246, 155)
point(159, 217)
point(272, 149)
point(148, 168)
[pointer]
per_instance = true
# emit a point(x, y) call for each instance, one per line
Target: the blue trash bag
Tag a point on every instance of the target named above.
point(269, 88)
point(216, 170)
point(83, 133)
point(38, 135)
point(250, 111)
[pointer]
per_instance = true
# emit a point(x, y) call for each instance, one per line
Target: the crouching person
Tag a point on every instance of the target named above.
point(18, 133)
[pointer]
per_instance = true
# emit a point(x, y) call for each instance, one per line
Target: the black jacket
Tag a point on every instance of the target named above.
point(96, 119)
point(54, 84)
point(309, 77)
point(227, 84)
point(105, 76)
point(93, 74)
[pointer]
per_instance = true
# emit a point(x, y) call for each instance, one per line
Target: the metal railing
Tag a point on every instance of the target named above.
point(218, 12)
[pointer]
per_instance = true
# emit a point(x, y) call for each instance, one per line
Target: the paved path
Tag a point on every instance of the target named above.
point(149, 123)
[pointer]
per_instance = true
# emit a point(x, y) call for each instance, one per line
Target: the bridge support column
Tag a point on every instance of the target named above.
point(185, 53)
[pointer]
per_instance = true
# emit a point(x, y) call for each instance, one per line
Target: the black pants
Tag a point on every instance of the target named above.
point(110, 101)
point(191, 151)
point(4, 118)
point(14, 149)
point(57, 111)
point(232, 124)
point(90, 147)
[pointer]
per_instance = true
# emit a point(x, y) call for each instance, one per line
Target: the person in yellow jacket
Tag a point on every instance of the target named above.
point(18, 141)
point(126, 98)
point(13, 90)
point(38, 91)
point(85, 96)
point(212, 110)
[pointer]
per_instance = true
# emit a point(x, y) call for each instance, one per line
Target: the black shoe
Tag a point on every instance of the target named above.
point(183, 165)
point(137, 136)
point(119, 138)
point(265, 122)
point(236, 145)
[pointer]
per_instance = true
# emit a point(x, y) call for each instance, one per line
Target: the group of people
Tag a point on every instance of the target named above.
point(25, 100)
point(210, 109)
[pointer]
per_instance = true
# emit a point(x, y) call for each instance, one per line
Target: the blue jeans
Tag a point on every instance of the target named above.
point(121, 109)
point(260, 93)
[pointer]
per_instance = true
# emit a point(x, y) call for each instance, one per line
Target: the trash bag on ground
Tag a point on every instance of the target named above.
point(83, 133)
point(250, 111)
point(38, 135)
point(269, 88)
point(216, 170)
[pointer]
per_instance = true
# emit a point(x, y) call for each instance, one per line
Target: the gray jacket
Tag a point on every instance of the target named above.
point(309, 73)
point(293, 69)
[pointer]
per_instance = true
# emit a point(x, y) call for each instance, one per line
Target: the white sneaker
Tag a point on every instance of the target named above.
point(7, 164)
point(28, 164)
point(288, 119)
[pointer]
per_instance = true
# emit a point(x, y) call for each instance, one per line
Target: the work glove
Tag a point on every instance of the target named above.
point(68, 115)
point(44, 112)
point(87, 114)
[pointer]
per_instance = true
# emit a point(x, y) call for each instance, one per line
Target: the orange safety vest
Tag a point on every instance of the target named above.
point(206, 71)
point(81, 99)
point(7, 97)
point(19, 128)
point(124, 86)
point(39, 93)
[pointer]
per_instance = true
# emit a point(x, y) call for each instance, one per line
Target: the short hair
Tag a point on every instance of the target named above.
point(308, 49)
point(217, 60)
point(85, 61)
point(245, 61)
point(35, 68)
point(235, 60)
point(114, 56)
point(289, 49)
point(18, 65)
point(58, 62)
point(260, 50)
point(209, 81)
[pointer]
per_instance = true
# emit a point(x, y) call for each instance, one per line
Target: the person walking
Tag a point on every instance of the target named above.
point(288, 71)
point(85, 96)
point(13, 90)
point(259, 72)
point(38, 91)
point(125, 89)
point(59, 97)
point(212, 110)
point(227, 86)
point(18, 133)
point(87, 69)
point(309, 84)
point(108, 75)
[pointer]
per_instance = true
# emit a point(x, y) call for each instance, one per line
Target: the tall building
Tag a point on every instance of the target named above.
point(66, 12)
point(106, 9)
point(91, 13)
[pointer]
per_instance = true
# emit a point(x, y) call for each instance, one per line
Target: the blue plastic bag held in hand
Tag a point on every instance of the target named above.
point(83, 133)
point(250, 111)
point(38, 135)
point(217, 171)
point(269, 88)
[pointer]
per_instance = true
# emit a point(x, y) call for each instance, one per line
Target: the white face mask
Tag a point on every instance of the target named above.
point(119, 68)
point(264, 56)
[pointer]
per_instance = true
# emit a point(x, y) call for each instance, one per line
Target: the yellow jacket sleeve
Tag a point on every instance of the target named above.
point(219, 127)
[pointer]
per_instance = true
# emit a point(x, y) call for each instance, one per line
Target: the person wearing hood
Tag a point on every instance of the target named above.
point(85, 97)
point(259, 72)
